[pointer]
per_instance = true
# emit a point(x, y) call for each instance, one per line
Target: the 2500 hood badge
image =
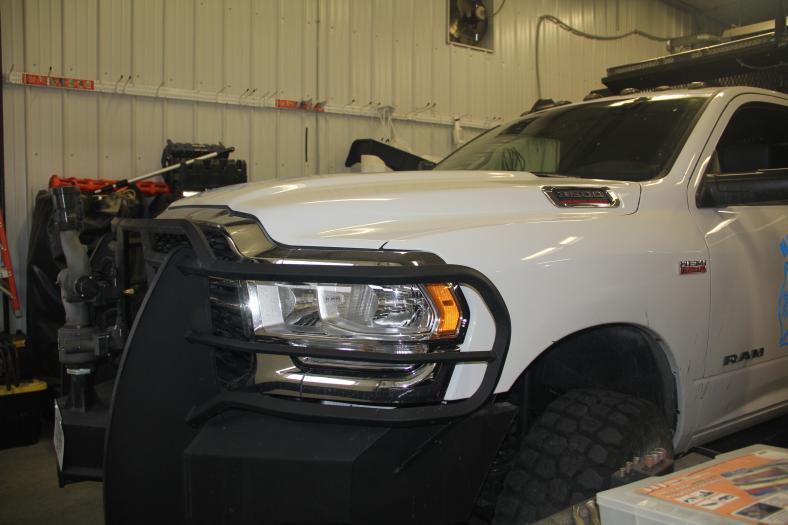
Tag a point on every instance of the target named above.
point(579, 197)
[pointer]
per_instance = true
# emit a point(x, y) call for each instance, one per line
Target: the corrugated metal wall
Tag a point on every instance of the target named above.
point(347, 52)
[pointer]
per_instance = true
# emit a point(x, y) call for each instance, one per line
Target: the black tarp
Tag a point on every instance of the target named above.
point(394, 158)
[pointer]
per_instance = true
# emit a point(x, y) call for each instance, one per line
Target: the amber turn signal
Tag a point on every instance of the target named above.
point(449, 313)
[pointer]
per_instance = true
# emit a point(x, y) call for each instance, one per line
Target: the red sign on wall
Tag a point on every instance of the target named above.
point(282, 103)
point(58, 82)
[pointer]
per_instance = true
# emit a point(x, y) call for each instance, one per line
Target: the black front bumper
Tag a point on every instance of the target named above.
point(252, 468)
point(180, 448)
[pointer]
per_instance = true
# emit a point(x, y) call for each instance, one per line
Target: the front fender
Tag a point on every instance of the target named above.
point(561, 276)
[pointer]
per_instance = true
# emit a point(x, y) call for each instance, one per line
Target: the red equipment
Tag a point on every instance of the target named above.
point(8, 286)
point(91, 185)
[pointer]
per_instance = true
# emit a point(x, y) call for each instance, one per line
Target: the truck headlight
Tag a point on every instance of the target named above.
point(401, 318)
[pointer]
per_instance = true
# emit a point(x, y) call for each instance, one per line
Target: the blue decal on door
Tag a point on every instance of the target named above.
point(782, 303)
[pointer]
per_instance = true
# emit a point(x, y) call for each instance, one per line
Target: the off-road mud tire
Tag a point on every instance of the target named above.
point(574, 448)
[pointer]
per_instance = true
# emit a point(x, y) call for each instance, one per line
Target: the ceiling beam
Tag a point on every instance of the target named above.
point(696, 12)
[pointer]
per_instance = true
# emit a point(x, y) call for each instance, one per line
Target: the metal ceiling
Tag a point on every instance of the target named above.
point(728, 13)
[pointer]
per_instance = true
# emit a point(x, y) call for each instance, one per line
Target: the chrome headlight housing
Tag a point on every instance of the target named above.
point(376, 319)
point(398, 318)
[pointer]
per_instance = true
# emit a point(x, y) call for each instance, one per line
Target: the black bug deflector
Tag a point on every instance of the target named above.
point(182, 449)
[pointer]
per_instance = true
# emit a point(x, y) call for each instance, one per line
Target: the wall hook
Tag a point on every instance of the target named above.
point(249, 97)
point(420, 109)
point(158, 89)
point(219, 93)
point(115, 89)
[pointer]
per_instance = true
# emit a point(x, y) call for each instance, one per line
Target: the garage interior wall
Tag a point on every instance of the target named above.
point(346, 52)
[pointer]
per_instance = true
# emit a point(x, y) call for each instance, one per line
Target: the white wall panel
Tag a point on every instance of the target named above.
point(208, 45)
point(114, 33)
point(80, 110)
point(178, 120)
point(383, 50)
point(148, 134)
point(264, 158)
point(237, 45)
point(402, 48)
point(43, 53)
point(115, 132)
point(207, 123)
point(359, 25)
point(345, 52)
point(179, 43)
point(423, 56)
point(237, 127)
point(334, 41)
point(442, 87)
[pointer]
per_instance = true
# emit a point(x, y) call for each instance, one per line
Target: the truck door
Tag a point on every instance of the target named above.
point(746, 230)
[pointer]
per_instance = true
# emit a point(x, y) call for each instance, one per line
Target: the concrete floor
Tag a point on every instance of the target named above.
point(29, 493)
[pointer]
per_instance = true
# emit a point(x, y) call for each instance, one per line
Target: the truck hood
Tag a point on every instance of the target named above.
point(367, 210)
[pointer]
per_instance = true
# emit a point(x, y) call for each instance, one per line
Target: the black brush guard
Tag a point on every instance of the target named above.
point(182, 449)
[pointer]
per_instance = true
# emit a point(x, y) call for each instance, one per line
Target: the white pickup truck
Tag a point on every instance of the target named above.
point(568, 292)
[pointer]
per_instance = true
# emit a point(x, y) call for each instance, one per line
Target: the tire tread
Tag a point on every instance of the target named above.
point(573, 449)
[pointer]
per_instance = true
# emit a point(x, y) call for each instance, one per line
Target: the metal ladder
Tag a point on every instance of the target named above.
point(7, 281)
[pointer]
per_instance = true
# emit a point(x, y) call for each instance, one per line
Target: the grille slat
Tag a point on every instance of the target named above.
point(234, 369)
point(226, 308)
point(221, 245)
point(218, 241)
point(166, 242)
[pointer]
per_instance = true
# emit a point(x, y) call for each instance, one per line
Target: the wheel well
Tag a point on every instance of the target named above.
point(621, 358)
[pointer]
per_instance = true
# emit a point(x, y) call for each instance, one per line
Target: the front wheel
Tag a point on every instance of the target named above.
point(574, 448)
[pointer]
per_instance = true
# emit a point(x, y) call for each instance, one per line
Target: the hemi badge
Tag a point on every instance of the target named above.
point(686, 267)
point(581, 197)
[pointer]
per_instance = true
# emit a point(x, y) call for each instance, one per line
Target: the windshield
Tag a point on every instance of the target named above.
point(626, 139)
